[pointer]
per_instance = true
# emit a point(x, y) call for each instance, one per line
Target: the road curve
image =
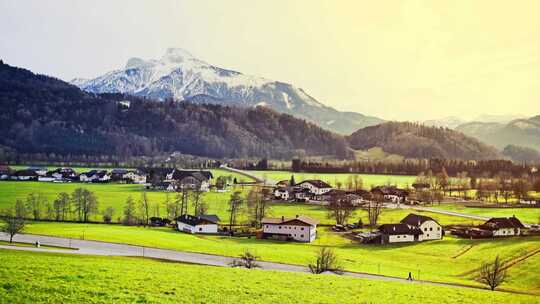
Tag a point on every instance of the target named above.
point(85, 247)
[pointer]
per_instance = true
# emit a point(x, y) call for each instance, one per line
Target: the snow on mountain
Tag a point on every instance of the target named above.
point(181, 76)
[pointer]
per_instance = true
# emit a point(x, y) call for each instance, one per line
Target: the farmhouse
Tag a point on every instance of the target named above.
point(431, 229)
point(391, 193)
point(131, 176)
point(315, 186)
point(187, 179)
point(399, 233)
point(503, 226)
point(281, 193)
point(24, 175)
point(63, 174)
point(198, 224)
point(94, 176)
point(40, 171)
point(299, 228)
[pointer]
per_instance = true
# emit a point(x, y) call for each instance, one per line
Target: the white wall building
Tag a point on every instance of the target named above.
point(300, 228)
point(431, 229)
point(198, 224)
point(316, 187)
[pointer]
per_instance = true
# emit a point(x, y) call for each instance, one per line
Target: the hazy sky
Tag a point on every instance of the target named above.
point(394, 59)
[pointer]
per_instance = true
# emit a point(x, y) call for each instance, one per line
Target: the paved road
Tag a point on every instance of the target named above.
point(112, 249)
point(267, 182)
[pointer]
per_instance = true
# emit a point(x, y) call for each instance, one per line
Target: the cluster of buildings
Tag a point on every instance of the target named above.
point(169, 179)
point(66, 175)
point(494, 227)
point(319, 191)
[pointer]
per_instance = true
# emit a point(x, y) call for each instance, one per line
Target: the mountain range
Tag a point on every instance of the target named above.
point(180, 76)
point(453, 122)
point(46, 116)
point(519, 132)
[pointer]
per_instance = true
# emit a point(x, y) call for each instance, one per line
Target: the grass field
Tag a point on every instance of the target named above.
point(448, 260)
point(56, 278)
point(331, 178)
point(109, 195)
point(526, 215)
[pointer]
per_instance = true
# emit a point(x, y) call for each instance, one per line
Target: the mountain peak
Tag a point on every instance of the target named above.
point(176, 55)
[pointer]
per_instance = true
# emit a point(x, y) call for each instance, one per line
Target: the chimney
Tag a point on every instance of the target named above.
point(297, 216)
point(282, 218)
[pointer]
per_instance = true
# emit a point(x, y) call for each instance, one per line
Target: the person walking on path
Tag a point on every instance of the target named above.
point(410, 276)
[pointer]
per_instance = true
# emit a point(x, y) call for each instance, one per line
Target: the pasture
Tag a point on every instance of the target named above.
point(28, 277)
point(526, 215)
point(448, 260)
point(332, 178)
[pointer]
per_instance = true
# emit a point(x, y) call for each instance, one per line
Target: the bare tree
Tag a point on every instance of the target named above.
point(144, 208)
point(85, 203)
point(35, 203)
point(257, 206)
point(235, 203)
point(326, 260)
point(61, 206)
point(246, 260)
point(340, 208)
point(13, 226)
point(196, 198)
point(173, 206)
point(493, 274)
point(374, 209)
point(130, 217)
point(20, 209)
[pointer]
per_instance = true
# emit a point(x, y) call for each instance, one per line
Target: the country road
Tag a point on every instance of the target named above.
point(266, 182)
point(85, 247)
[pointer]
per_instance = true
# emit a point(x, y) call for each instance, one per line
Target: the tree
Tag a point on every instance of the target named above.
point(61, 206)
point(144, 209)
point(20, 209)
point(521, 188)
point(235, 203)
point(340, 208)
point(130, 217)
point(35, 204)
point(443, 179)
point(13, 226)
point(85, 203)
point(292, 182)
point(173, 206)
point(374, 209)
point(197, 199)
point(257, 206)
point(108, 214)
point(493, 274)
point(326, 260)
point(246, 260)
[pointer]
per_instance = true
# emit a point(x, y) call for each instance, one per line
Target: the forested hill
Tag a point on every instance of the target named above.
point(414, 140)
point(41, 114)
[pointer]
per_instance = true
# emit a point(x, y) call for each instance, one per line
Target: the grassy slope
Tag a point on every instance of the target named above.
point(38, 277)
point(368, 179)
point(436, 260)
point(527, 215)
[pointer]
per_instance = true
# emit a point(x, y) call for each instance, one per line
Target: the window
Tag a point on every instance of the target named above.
point(427, 235)
point(438, 228)
point(266, 226)
point(425, 229)
point(279, 227)
point(302, 228)
point(200, 228)
point(398, 236)
point(301, 235)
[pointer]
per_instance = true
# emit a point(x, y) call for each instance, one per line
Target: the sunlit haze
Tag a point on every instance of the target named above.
point(404, 60)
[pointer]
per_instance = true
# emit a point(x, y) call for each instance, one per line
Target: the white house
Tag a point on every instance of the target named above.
point(391, 193)
point(135, 177)
point(299, 228)
point(398, 233)
point(46, 178)
point(281, 193)
point(94, 176)
point(431, 229)
point(503, 226)
point(315, 186)
point(198, 224)
point(196, 180)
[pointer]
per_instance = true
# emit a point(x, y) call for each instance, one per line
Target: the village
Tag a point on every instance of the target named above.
point(300, 228)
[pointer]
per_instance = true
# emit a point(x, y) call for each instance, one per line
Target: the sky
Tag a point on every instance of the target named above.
point(400, 60)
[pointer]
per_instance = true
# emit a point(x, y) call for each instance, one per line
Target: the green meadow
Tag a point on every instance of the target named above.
point(448, 260)
point(332, 178)
point(28, 277)
point(526, 215)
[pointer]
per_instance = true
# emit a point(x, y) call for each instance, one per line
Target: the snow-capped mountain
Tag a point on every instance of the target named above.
point(182, 77)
